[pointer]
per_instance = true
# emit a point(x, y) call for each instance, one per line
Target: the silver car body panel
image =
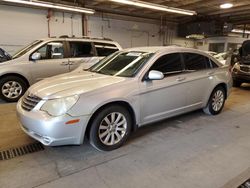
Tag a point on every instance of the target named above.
point(150, 100)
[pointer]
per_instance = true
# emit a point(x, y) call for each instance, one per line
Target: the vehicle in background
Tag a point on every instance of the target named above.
point(221, 57)
point(129, 88)
point(241, 65)
point(48, 57)
point(4, 56)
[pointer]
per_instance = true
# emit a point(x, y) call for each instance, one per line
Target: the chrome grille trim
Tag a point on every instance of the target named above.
point(29, 101)
point(245, 68)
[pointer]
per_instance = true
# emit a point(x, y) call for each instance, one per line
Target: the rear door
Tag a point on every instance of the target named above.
point(81, 53)
point(199, 75)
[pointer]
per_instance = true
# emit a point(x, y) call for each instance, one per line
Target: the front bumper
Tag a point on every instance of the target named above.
point(241, 75)
point(52, 131)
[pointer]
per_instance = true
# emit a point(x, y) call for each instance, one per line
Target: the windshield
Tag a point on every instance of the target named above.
point(124, 64)
point(26, 49)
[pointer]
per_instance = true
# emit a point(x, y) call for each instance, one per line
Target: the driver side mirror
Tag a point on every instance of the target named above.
point(36, 56)
point(155, 75)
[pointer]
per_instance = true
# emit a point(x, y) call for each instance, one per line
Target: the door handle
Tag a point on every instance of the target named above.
point(65, 63)
point(71, 63)
point(179, 79)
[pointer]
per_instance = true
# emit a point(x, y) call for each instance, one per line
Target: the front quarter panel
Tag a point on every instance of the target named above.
point(89, 103)
point(20, 68)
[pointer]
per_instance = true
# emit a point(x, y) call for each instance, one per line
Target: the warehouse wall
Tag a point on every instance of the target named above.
point(127, 33)
point(20, 26)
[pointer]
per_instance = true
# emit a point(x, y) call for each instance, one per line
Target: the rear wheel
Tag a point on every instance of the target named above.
point(216, 101)
point(110, 128)
point(12, 88)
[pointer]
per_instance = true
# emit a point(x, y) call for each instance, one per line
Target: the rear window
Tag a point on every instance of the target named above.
point(194, 62)
point(81, 49)
point(105, 49)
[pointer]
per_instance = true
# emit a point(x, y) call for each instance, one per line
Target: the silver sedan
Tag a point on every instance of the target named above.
point(122, 92)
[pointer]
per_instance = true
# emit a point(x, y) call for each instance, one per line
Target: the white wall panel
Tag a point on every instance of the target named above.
point(20, 26)
point(127, 33)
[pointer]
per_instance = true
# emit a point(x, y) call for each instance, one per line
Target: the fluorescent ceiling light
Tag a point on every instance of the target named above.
point(195, 36)
point(226, 5)
point(155, 6)
point(240, 31)
point(53, 6)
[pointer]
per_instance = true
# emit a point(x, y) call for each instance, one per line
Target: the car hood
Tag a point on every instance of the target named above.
point(72, 84)
point(4, 56)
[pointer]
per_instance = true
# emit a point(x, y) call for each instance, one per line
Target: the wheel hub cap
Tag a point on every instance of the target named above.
point(112, 128)
point(11, 89)
point(218, 100)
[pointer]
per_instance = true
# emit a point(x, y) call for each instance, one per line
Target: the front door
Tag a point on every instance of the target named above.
point(163, 98)
point(52, 61)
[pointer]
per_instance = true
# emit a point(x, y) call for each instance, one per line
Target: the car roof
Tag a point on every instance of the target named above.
point(159, 49)
point(108, 41)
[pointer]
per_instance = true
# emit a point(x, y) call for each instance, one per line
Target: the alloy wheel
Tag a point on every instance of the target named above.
point(112, 128)
point(12, 89)
point(217, 100)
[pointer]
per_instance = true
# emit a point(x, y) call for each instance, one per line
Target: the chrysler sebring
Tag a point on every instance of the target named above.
point(122, 92)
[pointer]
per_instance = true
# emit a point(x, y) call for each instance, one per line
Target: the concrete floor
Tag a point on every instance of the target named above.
point(190, 151)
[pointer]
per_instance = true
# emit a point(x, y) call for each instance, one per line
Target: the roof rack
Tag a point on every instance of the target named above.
point(86, 37)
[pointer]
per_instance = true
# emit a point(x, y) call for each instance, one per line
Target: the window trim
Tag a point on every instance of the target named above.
point(145, 76)
point(68, 48)
point(64, 49)
point(190, 71)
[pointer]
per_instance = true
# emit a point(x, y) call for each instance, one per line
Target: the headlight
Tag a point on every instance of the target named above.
point(58, 107)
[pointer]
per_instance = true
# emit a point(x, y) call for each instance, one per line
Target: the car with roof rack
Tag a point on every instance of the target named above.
point(49, 57)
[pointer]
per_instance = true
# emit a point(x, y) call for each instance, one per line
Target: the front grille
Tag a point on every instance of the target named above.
point(29, 102)
point(245, 68)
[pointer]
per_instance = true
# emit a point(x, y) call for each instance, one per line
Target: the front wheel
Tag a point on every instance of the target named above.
point(110, 128)
point(12, 88)
point(216, 101)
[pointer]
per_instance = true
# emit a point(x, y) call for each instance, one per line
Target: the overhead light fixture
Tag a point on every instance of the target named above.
point(53, 6)
point(240, 31)
point(195, 36)
point(155, 7)
point(226, 5)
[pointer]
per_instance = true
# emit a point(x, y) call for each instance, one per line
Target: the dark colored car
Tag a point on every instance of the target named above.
point(4, 56)
point(241, 65)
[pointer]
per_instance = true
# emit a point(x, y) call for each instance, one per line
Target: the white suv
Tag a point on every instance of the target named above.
point(48, 57)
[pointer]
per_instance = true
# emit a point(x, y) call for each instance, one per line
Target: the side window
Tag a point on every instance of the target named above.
point(51, 50)
point(168, 64)
point(81, 49)
point(105, 49)
point(194, 62)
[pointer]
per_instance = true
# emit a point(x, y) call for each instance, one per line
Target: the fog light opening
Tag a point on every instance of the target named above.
point(46, 140)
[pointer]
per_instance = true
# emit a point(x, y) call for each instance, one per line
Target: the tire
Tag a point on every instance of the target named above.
point(105, 134)
point(236, 83)
point(12, 88)
point(216, 101)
